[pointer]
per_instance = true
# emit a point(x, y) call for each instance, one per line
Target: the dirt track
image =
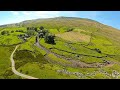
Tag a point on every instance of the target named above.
point(13, 67)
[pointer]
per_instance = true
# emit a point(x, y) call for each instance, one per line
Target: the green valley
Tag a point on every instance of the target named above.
point(59, 48)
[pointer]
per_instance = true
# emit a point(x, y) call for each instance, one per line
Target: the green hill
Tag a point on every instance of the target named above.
point(58, 21)
point(74, 22)
point(81, 45)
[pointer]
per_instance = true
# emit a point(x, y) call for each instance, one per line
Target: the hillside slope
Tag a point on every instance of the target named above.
point(87, 47)
point(73, 22)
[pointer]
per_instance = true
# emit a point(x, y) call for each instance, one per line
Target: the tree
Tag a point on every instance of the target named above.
point(3, 32)
point(41, 27)
point(30, 33)
point(12, 31)
point(28, 28)
point(20, 30)
point(41, 35)
point(49, 38)
point(16, 30)
point(32, 28)
point(46, 38)
point(44, 32)
point(35, 29)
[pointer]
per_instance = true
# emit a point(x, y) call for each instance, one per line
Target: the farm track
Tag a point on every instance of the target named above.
point(13, 67)
point(75, 62)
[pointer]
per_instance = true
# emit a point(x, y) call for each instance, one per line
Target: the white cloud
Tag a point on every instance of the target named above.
point(46, 14)
point(35, 14)
point(42, 14)
point(69, 13)
point(28, 15)
point(26, 12)
point(15, 12)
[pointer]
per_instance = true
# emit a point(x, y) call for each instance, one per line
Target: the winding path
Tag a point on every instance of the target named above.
point(75, 62)
point(13, 67)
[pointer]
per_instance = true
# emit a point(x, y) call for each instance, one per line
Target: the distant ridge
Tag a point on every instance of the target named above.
point(59, 21)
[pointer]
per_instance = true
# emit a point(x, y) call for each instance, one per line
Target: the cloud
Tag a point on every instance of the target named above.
point(28, 15)
point(15, 12)
point(26, 12)
point(46, 14)
point(35, 14)
point(49, 14)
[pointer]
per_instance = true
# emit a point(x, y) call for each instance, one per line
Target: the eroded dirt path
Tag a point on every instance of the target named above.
point(75, 63)
point(13, 67)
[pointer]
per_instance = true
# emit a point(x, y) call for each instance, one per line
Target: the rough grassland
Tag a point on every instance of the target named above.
point(74, 37)
point(45, 71)
point(5, 64)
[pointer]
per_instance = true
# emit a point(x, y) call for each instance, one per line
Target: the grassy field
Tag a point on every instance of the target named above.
point(106, 46)
point(58, 60)
point(4, 59)
point(12, 37)
point(9, 40)
point(28, 45)
point(13, 29)
point(91, 59)
point(41, 70)
point(53, 31)
point(5, 64)
point(81, 44)
point(34, 64)
point(74, 37)
point(74, 48)
point(44, 71)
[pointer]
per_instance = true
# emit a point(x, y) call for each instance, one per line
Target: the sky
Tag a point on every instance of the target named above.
point(111, 18)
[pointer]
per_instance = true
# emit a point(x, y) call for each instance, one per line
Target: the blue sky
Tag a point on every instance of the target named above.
point(111, 18)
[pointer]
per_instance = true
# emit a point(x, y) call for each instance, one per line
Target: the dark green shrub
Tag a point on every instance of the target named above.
point(4, 32)
point(12, 31)
point(49, 38)
point(41, 27)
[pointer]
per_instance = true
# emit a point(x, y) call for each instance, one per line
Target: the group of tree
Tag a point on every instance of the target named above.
point(12, 31)
point(41, 28)
point(19, 30)
point(48, 37)
point(35, 28)
point(5, 33)
point(32, 28)
point(30, 33)
point(42, 33)
point(23, 36)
